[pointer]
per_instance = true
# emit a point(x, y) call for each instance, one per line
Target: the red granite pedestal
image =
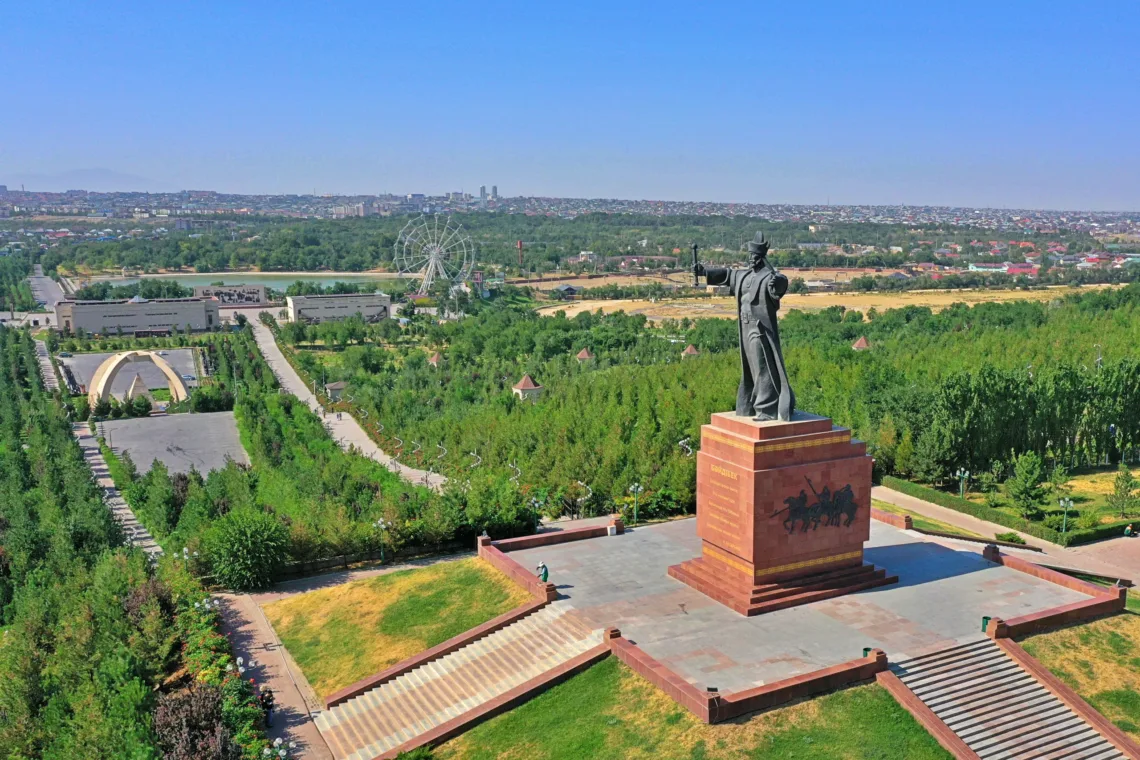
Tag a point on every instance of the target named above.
point(783, 511)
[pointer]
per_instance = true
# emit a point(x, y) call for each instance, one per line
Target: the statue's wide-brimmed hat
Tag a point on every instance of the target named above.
point(758, 243)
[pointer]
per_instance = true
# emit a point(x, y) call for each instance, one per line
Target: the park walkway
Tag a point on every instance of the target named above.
point(47, 371)
point(1114, 558)
point(135, 532)
point(346, 430)
point(252, 637)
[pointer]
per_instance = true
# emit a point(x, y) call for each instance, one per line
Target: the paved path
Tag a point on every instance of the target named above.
point(252, 637)
point(134, 530)
point(47, 372)
point(1118, 557)
point(347, 430)
point(939, 601)
point(45, 289)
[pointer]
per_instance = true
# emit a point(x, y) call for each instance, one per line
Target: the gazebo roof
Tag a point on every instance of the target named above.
point(526, 384)
point(585, 354)
point(690, 350)
point(339, 385)
point(861, 344)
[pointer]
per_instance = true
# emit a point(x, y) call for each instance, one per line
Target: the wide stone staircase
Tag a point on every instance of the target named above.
point(46, 370)
point(998, 709)
point(386, 717)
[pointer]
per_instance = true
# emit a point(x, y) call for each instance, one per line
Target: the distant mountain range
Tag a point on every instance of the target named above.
point(97, 180)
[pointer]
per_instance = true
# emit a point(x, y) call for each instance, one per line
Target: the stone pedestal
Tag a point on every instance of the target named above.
point(783, 510)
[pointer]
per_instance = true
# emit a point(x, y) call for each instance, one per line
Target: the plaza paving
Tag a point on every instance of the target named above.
point(940, 599)
point(84, 366)
point(180, 441)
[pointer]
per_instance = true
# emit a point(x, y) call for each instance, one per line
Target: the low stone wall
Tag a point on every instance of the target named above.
point(713, 707)
point(910, 702)
point(437, 652)
point(1102, 601)
point(502, 703)
point(890, 518)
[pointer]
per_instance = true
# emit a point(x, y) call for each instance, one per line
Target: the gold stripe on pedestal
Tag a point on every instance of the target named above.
point(779, 568)
point(760, 448)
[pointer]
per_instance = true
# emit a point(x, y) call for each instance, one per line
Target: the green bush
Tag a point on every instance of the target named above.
point(1011, 537)
point(246, 548)
point(943, 499)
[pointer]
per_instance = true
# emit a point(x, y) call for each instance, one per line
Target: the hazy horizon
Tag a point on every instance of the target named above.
point(1013, 106)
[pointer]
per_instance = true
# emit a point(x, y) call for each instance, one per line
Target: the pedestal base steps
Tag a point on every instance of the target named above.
point(783, 511)
point(705, 577)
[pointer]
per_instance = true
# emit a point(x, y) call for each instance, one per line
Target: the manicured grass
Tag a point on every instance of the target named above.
point(343, 634)
point(921, 522)
point(611, 712)
point(1100, 660)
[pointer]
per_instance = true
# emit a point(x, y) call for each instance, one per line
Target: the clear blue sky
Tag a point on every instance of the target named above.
point(1018, 104)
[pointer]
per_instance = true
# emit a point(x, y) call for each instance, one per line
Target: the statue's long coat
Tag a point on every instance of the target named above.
point(758, 293)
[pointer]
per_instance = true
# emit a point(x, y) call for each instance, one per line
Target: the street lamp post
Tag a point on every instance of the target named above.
point(636, 490)
point(535, 504)
point(382, 526)
point(1066, 504)
point(963, 477)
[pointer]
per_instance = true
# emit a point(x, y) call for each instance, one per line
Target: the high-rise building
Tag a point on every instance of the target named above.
point(482, 192)
point(494, 192)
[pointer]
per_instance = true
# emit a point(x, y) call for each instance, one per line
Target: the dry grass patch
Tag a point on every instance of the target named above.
point(343, 634)
point(1100, 660)
point(696, 308)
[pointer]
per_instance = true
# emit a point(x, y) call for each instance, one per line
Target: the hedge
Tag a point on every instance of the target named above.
point(982, 512)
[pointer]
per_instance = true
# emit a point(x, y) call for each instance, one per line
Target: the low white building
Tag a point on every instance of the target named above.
point(138, 315)
point(372, 307)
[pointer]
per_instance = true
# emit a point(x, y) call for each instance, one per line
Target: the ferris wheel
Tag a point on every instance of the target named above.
point(431, 248)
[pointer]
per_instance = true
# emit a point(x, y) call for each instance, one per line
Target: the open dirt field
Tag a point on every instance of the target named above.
point(725, 307)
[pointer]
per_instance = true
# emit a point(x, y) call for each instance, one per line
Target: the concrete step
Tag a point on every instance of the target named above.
point(415, 702)
point(998, 709)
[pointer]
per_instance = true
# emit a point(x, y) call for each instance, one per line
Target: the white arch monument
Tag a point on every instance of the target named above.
point(104, 377)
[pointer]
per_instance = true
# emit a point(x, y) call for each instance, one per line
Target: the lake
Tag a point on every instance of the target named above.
point(275, 280)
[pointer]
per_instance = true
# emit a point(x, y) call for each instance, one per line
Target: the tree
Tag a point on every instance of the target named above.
point(1123, 497)
point(1024, 485)
point(246, 548)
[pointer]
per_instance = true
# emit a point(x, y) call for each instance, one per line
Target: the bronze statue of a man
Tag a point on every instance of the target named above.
point(764, 389)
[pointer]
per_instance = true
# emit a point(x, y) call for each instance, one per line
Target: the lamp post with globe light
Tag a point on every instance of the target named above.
point(1066, 504)
point(636, 490)
point(382, 526)
point(963, 478)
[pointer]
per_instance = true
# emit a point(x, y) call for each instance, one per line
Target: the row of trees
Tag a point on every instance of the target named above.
point(103, 653)
point(963, 388)
point(302, 497)
point(365, 243)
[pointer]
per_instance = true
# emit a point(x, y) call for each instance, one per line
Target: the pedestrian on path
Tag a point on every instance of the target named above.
point(338, 416)
point(267, 703)
point(1129, 532)
point(542, 572)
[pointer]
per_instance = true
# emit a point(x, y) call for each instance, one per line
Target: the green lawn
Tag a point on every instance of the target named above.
point(342, 634)
point(1100, 660)
point(923, 523)
point(611, 712)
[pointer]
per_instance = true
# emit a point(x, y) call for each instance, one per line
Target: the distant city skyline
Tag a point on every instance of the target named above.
point(977, 105)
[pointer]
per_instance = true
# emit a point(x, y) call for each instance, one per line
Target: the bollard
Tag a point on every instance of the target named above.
point(985, 622)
